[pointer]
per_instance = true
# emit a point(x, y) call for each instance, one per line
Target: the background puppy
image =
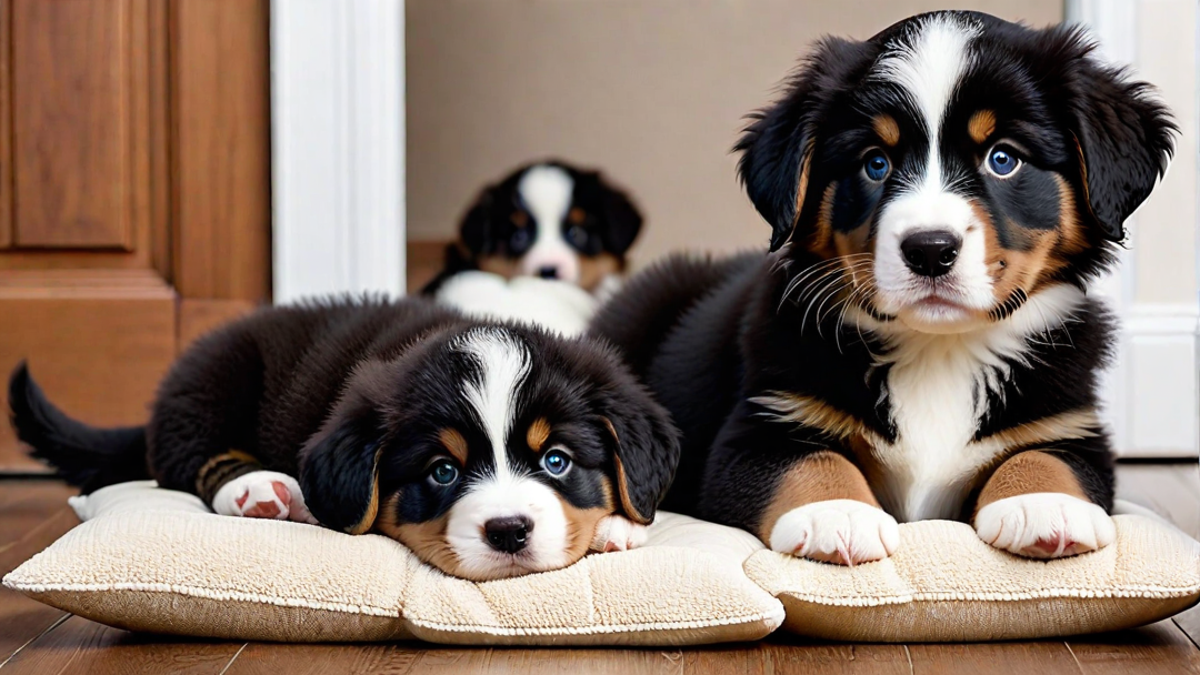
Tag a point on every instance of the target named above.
point(919, 344)
point(549, 220)
point(489, 450)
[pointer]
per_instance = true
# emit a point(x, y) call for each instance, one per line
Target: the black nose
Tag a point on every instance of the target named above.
point(931, 253)
point(508, 535)
point(548, 272)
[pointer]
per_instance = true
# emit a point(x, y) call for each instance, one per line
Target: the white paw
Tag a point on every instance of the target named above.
point(1045, 525)
point(263, 494)
point(842, 531)
point(618, 533)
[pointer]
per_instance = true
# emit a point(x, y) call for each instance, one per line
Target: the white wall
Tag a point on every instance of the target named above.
point(1153, 398)
point(337, 101)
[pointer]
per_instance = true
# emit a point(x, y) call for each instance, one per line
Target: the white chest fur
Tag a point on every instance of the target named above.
point(937, 389)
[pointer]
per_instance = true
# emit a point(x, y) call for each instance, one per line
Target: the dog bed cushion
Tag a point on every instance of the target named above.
point(945, 584)
point(159, 561)
point(154, 560)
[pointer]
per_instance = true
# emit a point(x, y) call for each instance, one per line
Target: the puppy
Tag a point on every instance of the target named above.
point(490, 450)
point(549, 220)
point(919, 343)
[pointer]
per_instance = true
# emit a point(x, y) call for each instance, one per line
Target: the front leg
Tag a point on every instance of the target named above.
point(1036, 505)
point(798, 497)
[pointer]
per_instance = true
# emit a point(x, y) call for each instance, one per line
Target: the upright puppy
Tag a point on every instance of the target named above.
point(549, 220)
point(490, 450)
point(919, 343)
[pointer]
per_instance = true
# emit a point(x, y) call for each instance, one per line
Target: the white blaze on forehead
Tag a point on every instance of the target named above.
point(503, 364)
point(928, 64)
point(546, 192)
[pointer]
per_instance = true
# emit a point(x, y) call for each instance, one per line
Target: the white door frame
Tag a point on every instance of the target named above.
point(337, 131)
point(1152, 394)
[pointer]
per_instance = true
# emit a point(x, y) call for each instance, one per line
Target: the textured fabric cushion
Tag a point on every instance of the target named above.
point(154, 560)
point(945, 584)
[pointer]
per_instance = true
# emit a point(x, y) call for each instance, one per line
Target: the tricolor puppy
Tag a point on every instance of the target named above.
point(549, 220)
point(919, 343)
point(489, 450)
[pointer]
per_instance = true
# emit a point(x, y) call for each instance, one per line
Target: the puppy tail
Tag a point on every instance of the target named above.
point(83, 455)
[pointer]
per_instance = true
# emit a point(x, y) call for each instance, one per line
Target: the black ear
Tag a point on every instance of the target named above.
point(339, 465)
point(778, 145)
point(646, 450)
point(622, 220)
point(476, 227)
point(1125, 140)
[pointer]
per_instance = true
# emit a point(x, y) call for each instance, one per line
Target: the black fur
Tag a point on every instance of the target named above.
point(610, 226)
point(349, 396)
point(712, 337)
point(83, 455)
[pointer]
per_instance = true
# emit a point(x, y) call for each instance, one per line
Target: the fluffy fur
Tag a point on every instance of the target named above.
point(550, 220)
point(919, 342)
point(490, 450)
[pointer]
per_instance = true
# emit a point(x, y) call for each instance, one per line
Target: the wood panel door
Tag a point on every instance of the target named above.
point(134, 191)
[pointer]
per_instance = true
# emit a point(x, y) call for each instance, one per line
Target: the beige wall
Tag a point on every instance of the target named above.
point(651, 91)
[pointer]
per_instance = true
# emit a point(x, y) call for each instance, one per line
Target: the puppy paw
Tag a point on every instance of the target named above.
point(841, 531)
point(263, 494)
point(1045, 525)
point(618, 533)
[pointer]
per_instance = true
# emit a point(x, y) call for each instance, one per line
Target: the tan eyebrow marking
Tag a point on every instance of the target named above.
point(519, 218)
point(576, 216)
point(455, 444)
point(538, 432)
point(981, 125)
point(888, 130)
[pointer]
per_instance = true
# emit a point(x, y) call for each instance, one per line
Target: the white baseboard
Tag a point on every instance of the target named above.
point(338, 157)
point(1154, 392)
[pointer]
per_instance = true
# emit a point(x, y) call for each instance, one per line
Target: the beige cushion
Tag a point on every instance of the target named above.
point(153, 560)
point(945, 584)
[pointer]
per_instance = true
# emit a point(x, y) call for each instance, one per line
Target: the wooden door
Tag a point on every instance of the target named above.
point(134, 191)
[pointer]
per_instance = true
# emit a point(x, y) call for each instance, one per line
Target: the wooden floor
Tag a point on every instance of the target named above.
point(37, 639)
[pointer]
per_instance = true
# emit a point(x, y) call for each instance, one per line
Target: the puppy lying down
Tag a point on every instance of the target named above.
point(491, 450)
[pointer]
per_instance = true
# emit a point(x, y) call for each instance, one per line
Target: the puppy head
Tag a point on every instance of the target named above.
point(954, 165)
point(554, 221)
point(491, 452)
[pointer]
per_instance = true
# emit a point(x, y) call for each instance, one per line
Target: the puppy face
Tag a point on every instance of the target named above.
point(491, 452)
point(949, 168)
point(552, 221)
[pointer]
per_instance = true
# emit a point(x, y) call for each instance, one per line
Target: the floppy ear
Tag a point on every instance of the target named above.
point(622, 220)
point(646, 451)
point(339, 464)
point(1125, 140)
point(778, 144)
point(476, 227)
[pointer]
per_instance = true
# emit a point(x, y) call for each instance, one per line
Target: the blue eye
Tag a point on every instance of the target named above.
point(1002, 162)
point(876, 166)
point(577, 236)
point(556, 462)
point(443, 472)
point(520, 240)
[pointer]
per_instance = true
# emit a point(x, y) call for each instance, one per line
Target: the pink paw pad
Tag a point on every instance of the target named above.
point(266, 509)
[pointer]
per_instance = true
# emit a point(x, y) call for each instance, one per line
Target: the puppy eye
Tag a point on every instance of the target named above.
point(1002, 161)
point(443, 473)
point(520, 239)
point(876, 165)
point(556, 462)
point(577, 235)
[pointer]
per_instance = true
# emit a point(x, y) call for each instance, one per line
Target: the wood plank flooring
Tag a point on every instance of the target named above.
point(37, 639)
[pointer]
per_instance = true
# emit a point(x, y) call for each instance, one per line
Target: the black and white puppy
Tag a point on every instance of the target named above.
point(490, 450)
point(549, 220)
point(919, 343)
